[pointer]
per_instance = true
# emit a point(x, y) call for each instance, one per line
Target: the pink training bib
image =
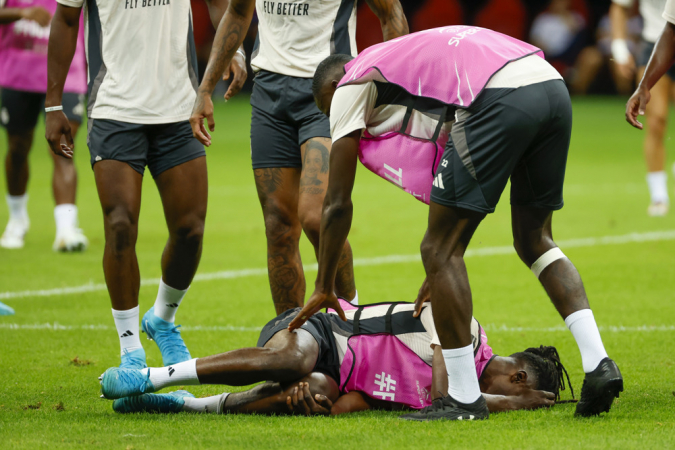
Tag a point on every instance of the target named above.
point(449, 64)
point(23, 53)
point(384, 368)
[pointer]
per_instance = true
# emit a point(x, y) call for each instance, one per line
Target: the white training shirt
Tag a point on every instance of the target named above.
point(651, 12)
point(669, 11)
point(142, 60)
point(353, 106)
point(296, 35)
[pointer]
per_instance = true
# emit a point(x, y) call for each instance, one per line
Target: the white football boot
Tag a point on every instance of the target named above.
point(14, 233)
point(70, 240)
point(657, 209)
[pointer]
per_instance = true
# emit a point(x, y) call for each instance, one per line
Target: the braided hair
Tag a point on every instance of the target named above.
point(550, 372)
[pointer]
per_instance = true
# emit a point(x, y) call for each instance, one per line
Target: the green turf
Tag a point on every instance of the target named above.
point(46, 400)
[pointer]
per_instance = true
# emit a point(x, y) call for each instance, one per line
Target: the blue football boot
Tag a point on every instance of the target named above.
point(157, 403)
point(119, 383)
point(5, 310)
point(133, 359)
point(167, 336)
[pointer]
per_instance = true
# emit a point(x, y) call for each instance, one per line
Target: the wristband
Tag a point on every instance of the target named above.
point(54, 108)
point(620, 51)
point(241, 52)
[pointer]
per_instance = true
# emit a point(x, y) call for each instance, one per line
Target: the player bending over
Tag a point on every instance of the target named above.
point(380, 358)
point(500, 111)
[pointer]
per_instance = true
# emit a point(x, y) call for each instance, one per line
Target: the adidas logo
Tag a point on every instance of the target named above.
point(172, 305)
point(98, 158)
point(171, 370)
point(438, 181)
point(126, 334)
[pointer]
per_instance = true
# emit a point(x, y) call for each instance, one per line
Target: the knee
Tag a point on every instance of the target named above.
point(121, 230)
point(19, 148)
point(311, 224)
point(281, 225)
point(189, 230)
point(530, 248)
point(657, 125)
point(293, 363)
point(429, 250)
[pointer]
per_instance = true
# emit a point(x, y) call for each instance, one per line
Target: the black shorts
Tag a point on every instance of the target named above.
point(319, 326)
point(20, 109)
point(159, 146)
point(284, 116)
point(646, 49)
point(519, 133)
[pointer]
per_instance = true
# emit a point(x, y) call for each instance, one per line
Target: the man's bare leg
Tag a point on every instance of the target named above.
point(286, 357)
point(654, 146)
point(64, 188)
point(278, 194)
point(119, 190)
point(447, 237)
point(16, 174)
point(313, 181)
point(533, 240)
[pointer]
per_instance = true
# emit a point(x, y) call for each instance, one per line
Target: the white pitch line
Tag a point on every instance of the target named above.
point(667, 235)
point(490, 328)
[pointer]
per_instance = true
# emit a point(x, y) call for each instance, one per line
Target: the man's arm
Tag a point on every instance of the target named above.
point(217, 9)
point(336, 220)
point(390, 13)
point(618, 18)
point(660, 61)
point(62, 44)
point(229, 37)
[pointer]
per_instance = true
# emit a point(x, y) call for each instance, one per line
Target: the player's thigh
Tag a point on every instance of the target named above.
point(19, 112)
point(657, 109)
point(449, 231)
point(313, 179)
point(119, 191)
point(184, 208)
point(537, 180)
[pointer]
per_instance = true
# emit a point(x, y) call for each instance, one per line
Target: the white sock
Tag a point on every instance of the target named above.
point(127, 323)
point(355, 300)
point(213, 404)
point(585, 331)
point(658, 189)
point(167, 302)
point(18, 206)
point(65, 216)
point(184, 373)
point(462, 379)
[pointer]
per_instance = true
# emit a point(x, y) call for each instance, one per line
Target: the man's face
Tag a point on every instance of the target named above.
point(313, 162)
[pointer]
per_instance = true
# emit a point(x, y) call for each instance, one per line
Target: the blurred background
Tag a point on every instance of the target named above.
point(574, 34)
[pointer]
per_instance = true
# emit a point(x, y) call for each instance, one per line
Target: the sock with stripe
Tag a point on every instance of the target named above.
point(127, 323)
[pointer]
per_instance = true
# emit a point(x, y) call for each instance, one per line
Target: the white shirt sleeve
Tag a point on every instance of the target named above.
point(669, 11)
point(351, 107)
point(71, 3)
point(624, 3)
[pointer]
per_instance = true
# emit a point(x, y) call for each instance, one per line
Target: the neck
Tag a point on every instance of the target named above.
point(498, 366)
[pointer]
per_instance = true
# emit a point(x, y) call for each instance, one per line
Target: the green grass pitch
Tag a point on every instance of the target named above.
point(625, 259)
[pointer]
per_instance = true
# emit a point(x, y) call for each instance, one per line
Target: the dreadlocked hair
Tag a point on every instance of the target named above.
point(550, 372)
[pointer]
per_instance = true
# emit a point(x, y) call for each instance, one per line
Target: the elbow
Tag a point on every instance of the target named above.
point(338, 208)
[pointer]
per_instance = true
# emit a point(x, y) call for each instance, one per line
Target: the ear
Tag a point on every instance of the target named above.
point(334, 84)
point(519, 377)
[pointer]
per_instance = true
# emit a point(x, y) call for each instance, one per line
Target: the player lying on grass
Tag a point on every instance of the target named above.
point(380, 358)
